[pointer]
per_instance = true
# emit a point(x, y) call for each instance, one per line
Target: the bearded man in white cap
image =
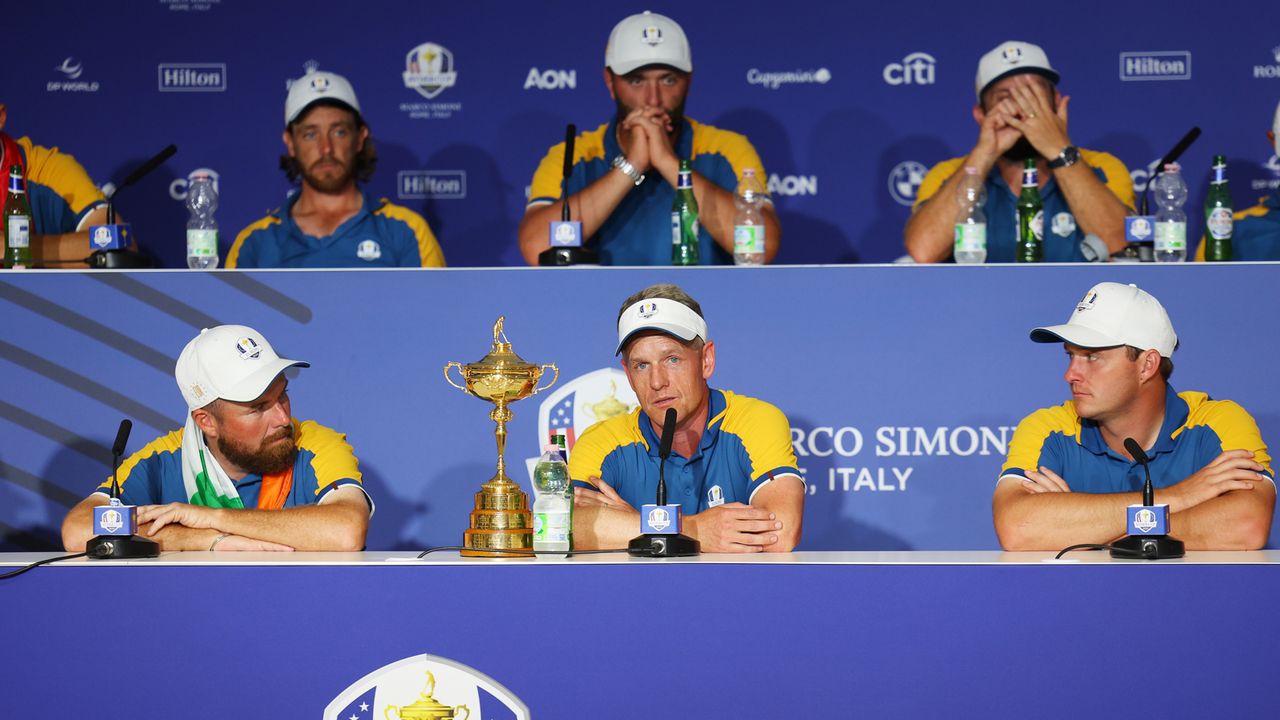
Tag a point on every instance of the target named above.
point(1069, 477)
point(331, 222)
point(732, 468)
point(1255, 233)
point(1021, 115)
point(626, 171)
point(242, 474)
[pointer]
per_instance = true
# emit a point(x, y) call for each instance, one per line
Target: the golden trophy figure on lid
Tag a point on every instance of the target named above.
point(501, 519)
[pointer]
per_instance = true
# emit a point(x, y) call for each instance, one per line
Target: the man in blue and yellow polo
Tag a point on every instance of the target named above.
point(625, 172)
point(64, 201)
point(1069, 478)
point(242, 473)
point(731, 468)
point(331, 222)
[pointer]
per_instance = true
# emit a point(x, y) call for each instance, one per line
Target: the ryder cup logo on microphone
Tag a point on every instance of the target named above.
point(659, 519)
point(114, 519)
point(1148, 520)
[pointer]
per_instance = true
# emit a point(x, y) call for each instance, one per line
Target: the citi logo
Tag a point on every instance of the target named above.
point(793, 185)
point(1268, 71)
point(435, 184)
point(1162, 65)
point(915, 69)
point(178, 188)
point(192, 77)
point(551, 79)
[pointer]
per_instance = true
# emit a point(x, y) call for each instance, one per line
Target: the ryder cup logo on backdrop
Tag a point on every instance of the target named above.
point(428, 69)
point(1159, 65)
point(426, 686)
point(904, 180)
point(71, 70)
point(1269, 71)
point(551, 79)
point(178, 188)
point(192, 77)
point(774, 80)
point(580, 403)
point(431, 184)
point(915, 69)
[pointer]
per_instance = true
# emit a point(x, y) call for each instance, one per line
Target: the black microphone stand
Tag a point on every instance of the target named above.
point(654, 544)
point(1146, 547)
point(120, 547)
point(555, 256)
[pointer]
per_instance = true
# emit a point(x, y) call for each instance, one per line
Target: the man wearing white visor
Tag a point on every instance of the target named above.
point(1021, 115)
point(731, 468)
point(1068, 477)
point(242, 474)
point(625, 172)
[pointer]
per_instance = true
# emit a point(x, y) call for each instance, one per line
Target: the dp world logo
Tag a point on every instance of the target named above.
point(904, 180)
point(72, 68)
point(426, 686)
point(428, 69)
point(581, 403)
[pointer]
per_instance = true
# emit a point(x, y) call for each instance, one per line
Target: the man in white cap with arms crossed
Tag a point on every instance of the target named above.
point(1068, 477)
point(731, 467)
point(1021, 115)
point(330, 221)
point(625, 172)
point(242, 474)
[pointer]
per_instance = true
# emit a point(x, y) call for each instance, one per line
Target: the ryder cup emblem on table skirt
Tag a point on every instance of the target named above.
point(426, 687)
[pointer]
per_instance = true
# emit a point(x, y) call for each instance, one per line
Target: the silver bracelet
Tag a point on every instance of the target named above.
point(626, 168)
point(217, 540)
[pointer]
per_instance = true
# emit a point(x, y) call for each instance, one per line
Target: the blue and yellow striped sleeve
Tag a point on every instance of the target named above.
point(934, 180)
point(1115, 175)
point(138, 485)
point(243, 254)
point(61, 193)
point(547, 179)
point(1031, 446)
point(734, 147)
point(1234, 427)
point(429, 252)
point(765, 434)
point(332, 459)
point(590, 459)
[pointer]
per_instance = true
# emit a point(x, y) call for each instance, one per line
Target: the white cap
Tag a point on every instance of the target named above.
point(647, 39)
point(316, 86)
point(1013, 57)
point(1112, 314)
point(669, 316)
point(231, 362)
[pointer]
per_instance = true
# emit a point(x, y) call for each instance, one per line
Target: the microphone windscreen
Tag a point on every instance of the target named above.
point(122, 437)
point(668, 433)
point(1135, 450)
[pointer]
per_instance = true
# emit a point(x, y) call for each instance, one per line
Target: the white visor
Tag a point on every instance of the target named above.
point(669, 316)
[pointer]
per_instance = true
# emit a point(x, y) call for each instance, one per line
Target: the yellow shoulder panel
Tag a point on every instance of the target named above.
point(601, 439)
point(170, 443)
point(333, 457)
point(547, 178)
point(934, 180)
point(1028, 439)
point(233, 255)
point(428, 248)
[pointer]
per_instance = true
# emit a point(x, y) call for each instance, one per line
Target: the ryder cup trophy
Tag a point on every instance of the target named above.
point(501, 519)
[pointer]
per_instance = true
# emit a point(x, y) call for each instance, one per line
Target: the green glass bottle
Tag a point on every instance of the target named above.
point(1218, 214)
point(17, 222)
point(684, 220)
point(1030, 246)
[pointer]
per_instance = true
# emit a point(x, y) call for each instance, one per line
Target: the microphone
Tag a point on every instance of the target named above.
point(660, 523)
point(565, 234)
point(1139, 230)
point(115, 524)
point(1148, 524)
point(109, 242)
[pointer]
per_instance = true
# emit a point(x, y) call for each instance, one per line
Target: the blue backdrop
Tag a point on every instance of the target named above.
point(847, 103)
point(902, 384)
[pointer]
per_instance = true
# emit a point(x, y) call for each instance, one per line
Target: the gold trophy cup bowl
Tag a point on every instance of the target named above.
point(427, 707)
point(501, 520)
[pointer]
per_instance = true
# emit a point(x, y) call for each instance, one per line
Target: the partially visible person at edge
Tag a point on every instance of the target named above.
point(1255, 234)
point(625, 172)
point(331, 222)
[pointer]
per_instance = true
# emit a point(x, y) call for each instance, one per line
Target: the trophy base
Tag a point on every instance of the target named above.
point(492, 543)
point(501, 521)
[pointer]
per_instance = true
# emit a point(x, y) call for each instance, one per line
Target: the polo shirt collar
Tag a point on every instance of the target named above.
point(1175, 416)
point(715, 408)
point(367, 206)
point(994, 178)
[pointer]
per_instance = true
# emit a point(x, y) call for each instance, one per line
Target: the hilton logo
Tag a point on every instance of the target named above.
point(1170, 65)
point(437, 184)
point(192, 77)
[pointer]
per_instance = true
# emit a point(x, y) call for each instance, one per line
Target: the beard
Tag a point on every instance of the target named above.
point(329, 183)
point(1021, 151)
point(271, 456)
point(676, 115)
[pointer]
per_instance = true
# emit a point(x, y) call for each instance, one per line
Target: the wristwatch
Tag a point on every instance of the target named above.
point(1069, 156)
point(628, 169)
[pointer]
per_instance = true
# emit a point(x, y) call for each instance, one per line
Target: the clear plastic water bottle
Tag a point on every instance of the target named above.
point(971, 230)
point(1170, 192)
point(202, 229)
point(553, 506)
point(748, 220)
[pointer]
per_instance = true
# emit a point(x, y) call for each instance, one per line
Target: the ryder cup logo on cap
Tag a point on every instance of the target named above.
point(662, 315)
point(231, 362)
point(1112, 314)
point(314, 87)
point(1013, 58)
point(647, 39)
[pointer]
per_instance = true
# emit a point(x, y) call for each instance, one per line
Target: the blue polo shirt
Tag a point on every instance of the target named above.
point(59, 192)
point(1062, 237)
point(1195, 430)
point(638, 232)
point(747, 444)
point(1256, 234)
point(381, 234)
point(153, 475)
